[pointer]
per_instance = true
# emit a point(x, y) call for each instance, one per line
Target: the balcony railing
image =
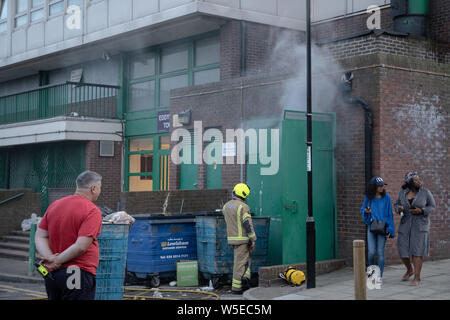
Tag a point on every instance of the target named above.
point(68, 99)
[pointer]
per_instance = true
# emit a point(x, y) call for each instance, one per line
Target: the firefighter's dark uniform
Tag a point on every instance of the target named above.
point(240, 232)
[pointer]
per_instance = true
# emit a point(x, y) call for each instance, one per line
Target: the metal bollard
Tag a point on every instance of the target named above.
point(359, 269)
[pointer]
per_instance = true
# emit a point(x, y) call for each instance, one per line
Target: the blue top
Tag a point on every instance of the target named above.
point(381, 210)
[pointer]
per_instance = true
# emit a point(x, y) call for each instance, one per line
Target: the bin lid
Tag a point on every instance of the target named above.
point(186, 215)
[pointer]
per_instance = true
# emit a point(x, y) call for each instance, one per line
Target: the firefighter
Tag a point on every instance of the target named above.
point(241, 236)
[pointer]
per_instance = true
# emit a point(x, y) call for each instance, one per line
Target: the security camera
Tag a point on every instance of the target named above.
point(106, 56)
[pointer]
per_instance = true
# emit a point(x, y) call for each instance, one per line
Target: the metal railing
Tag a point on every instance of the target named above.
point(67, 99)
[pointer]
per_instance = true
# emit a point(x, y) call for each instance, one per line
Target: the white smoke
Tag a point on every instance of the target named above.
point(290, 56)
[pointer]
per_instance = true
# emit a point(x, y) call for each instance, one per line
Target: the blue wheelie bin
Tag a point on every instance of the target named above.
point(156, 243)
point(214, 254)
point(112, 243)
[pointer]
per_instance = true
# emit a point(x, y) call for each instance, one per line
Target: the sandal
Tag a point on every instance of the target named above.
point(415, 283)
point(407, 276)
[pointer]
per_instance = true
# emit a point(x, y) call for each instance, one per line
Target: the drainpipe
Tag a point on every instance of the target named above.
point(347, 79)
point(346, 87)
point(243, 48)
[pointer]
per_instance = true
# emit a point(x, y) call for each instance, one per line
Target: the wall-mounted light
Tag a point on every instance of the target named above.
point(184, 117)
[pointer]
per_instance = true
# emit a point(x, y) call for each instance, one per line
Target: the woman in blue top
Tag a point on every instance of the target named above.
point(377, 205)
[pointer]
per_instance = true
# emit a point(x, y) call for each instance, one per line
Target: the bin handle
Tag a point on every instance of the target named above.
point(203, 241)
point(111, 258)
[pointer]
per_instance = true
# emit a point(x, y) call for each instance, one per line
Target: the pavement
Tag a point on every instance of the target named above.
point(337, 285)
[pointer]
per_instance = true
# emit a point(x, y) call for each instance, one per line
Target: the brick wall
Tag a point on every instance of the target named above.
point(15, 211)
point(410, 102)
point(153, 202)
point(261, 41)
point(345, 27)
point(413, 134)
point(439, 17)
point(395, 45)
point(110, 169)
point(439, 26)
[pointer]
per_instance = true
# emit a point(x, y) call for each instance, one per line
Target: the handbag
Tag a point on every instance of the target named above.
point(378, 227)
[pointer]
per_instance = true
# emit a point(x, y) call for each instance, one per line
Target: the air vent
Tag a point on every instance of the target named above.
point(106, 148)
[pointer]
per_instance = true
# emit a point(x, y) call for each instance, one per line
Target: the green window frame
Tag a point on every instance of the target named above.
point(158, 155)
point(155, 80)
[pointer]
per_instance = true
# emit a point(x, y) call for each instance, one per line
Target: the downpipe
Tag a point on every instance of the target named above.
point(346, 86)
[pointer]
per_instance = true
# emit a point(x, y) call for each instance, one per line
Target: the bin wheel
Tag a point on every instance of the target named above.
point(155, 281)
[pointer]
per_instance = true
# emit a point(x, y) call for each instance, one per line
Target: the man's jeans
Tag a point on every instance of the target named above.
point(375, 245)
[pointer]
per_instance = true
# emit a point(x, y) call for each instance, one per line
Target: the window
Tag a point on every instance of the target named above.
point(140, 163)
point(3, 15)
point(37, 10)
point(142, 65)
point(142, 96)
point(174, 58)
point(154, 73)
point(56, 7)
point(148, 163)
point(21, 13)
point(168, 84)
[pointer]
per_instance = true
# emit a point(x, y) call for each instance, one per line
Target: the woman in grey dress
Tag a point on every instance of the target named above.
point(415, 204)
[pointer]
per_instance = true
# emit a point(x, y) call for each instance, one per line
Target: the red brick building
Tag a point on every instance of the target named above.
point(233, 64)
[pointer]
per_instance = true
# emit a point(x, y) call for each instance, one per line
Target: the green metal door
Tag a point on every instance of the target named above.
point(266, 193)
point(213, 154)
point(189, 171)
point(294, 207)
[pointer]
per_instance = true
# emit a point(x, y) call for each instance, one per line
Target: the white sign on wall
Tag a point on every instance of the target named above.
point(229, 149)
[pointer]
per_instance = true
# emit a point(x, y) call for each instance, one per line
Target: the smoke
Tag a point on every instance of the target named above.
point(289, 55)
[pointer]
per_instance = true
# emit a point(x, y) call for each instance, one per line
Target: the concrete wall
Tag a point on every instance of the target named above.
point(15, 211)
point(107, 18)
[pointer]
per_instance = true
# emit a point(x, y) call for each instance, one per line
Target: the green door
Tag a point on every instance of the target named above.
point(189, 171)
point(294, 207)
point(265, 196)
point(213, 167)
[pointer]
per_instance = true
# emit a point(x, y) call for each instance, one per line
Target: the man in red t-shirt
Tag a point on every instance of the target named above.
point(66, 238)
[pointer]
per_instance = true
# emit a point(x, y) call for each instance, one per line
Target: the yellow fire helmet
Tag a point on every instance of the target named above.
point(241, 190)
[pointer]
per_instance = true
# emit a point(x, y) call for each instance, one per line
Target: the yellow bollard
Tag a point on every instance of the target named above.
point(359, 269)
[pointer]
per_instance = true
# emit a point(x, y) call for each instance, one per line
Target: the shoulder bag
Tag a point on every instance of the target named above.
point(378, 226)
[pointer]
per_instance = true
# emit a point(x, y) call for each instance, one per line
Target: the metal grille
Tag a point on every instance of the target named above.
point(46, 166)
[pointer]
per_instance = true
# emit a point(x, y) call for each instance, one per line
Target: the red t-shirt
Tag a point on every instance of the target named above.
point(67, 219)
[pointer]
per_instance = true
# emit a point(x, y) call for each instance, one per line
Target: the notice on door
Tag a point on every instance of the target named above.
point(229, 149)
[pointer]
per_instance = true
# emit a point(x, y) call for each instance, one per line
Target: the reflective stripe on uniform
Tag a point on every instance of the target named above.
point(239, 223)
point(237, 238)
point(245, 216)
point(247, 273)
point(252, 235)
point(236, 284)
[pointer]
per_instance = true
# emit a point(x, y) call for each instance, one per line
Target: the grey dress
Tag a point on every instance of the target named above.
point(414, 230)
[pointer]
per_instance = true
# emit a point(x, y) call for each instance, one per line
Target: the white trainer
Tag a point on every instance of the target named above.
point(379, 283)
